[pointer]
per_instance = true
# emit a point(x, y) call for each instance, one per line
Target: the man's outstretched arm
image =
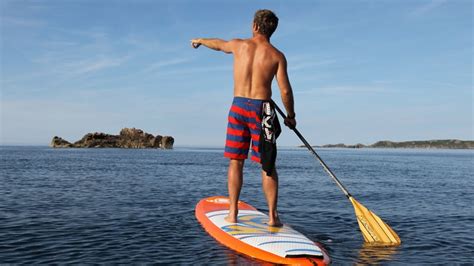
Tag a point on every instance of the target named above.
point(286, 92)
point(215, 44)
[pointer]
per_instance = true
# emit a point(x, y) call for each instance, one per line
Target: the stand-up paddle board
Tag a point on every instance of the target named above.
point(251, 235)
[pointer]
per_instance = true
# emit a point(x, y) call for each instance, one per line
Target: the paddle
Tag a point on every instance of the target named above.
point(373, 229)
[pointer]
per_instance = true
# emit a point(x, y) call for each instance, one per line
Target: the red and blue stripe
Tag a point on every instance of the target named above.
point(244, 126)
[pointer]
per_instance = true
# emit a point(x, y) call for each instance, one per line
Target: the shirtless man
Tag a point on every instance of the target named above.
point(256, 62)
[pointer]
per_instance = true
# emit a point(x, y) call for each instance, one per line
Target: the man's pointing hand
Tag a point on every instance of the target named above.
point(195, 43)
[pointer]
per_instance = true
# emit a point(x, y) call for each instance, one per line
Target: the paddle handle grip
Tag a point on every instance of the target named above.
point(323, 164)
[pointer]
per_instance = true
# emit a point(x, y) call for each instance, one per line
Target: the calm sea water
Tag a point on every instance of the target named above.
point(124, 206)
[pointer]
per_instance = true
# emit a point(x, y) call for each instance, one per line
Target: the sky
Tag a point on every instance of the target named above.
point(361, 71)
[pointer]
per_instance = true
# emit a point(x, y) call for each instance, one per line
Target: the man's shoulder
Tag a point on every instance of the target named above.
point(278, 54)
point(239, 40)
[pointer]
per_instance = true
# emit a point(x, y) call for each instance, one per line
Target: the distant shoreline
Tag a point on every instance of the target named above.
point(416, 144)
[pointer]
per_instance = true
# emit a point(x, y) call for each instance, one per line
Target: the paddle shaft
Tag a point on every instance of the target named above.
point(325, 167)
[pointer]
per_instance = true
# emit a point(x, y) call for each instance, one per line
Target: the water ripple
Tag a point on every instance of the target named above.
point(137, 206)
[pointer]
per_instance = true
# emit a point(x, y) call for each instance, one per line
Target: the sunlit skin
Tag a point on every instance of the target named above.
point(256, 63)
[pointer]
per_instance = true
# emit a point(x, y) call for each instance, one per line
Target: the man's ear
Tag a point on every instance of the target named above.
point(255, 27)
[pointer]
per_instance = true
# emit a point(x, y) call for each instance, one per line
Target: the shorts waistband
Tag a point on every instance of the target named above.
point(238, 99)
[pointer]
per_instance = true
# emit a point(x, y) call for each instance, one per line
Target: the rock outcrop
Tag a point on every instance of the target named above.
point(127, 138)
point(97, 140)
point(426, 144)
point(341, 145)
point(167, 142)
point(421, 144)
point(136, 138)
point(58, 142)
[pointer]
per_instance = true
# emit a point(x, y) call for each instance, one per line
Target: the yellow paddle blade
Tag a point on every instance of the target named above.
point(373, 228)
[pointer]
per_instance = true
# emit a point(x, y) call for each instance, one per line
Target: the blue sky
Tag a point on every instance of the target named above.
point(361, 71)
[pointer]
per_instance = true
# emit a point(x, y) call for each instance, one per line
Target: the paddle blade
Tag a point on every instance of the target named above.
point(373, 228)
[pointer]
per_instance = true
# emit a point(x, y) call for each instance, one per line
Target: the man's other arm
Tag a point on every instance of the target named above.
point(216, 44)
point(286, 92)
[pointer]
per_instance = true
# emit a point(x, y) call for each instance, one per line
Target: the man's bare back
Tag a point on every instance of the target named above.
point(256, 62)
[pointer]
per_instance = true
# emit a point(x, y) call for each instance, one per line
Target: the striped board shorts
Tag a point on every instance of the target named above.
point(244, 126)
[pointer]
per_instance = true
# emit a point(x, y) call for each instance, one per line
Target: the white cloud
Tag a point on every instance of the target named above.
point(21, 22)
point(305, 64)
point(426, 8)
point(347, 90)
point(93, 65)
point(196, 70)
point(166, 63)
point(64, 58)
point(63, 69)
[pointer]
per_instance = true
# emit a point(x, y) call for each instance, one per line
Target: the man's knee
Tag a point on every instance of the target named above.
point(273, 175)
point(236, 163)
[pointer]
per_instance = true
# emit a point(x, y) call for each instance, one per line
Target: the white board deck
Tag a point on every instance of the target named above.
point(253, 230)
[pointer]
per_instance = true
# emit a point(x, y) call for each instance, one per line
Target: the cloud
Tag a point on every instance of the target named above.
point(166, 63)
point(426, 8)
point(64, 57)
point(21, 22)
point(302, 62)
point(347, 90)
point(301, 65)
point(75, 67)
point(162, 68)
point(92, 65)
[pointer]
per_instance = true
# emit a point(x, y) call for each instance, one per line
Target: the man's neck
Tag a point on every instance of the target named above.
point(260, 37)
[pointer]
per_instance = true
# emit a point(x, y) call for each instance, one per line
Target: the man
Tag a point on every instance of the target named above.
point(256, 62)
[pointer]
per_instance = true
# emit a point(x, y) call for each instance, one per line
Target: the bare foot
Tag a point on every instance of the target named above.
point(275, 222)
point(230, 219)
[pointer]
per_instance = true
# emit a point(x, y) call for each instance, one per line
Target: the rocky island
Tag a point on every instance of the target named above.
point(128, 138)
point(420, 144)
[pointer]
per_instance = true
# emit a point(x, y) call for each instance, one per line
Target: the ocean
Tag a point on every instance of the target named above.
point(137, 205)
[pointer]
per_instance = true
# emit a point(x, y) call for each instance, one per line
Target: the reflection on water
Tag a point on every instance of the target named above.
point(370, 254)
point(234, 258)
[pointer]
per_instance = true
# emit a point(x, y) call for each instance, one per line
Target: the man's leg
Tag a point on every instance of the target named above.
point(270, 188)
point(234, 184)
